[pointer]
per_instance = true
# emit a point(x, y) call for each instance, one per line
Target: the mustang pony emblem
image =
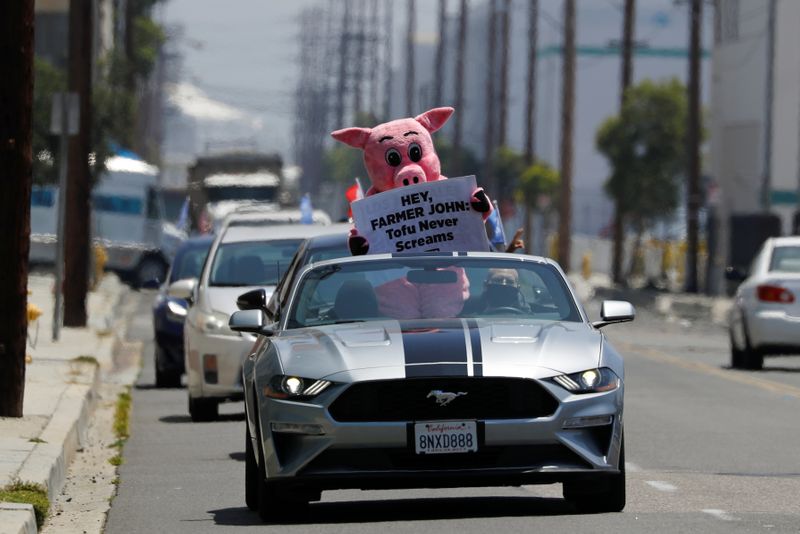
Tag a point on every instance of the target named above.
point(443, 398)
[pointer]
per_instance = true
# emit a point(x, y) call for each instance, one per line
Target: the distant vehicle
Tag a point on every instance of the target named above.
point(220, 184)
point(169, 313)
point(765, 317)
point(518, 388)
point(128, 219)
point(246, 254)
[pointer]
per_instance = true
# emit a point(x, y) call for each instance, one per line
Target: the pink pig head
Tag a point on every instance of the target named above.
point(399, 152)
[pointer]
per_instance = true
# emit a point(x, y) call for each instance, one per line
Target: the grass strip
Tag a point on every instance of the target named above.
point(30, 493)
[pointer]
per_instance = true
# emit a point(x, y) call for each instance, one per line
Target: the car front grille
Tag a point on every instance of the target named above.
point(414, 399)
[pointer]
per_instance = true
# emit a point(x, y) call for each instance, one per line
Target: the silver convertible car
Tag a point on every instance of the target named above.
point(434, 370)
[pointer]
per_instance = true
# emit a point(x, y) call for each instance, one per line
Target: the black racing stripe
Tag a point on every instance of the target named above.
point(433, 341)
point(475, 343)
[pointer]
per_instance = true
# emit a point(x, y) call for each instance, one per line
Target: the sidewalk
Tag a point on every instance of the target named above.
point(61, 378)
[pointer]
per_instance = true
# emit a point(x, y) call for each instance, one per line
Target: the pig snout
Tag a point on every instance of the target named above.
point(409, 175)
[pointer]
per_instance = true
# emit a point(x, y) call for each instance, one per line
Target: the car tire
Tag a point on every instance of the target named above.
point(603, 495)
point(203, 410)
point(251, 472)
point(165, 379)
point(737, 355)
point(274, 504)
point(752, 358)
point(148, 269)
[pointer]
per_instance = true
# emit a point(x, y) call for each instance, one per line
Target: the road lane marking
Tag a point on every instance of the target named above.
point(733, 376)
point(660, 485)
point(719, 514)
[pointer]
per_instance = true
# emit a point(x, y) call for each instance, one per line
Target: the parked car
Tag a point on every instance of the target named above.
point(169, 313)
point(246, 254)
point(517, 388)
point(765, 317)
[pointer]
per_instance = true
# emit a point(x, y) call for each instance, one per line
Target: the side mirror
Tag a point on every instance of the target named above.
point(182, 289)
point(153, 283)
point(735, 274)
point(252, 321)
point(615, 311)
point(252, 300)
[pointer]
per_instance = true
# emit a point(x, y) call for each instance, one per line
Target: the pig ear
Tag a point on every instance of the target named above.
point(355, 137)
point(435, 118)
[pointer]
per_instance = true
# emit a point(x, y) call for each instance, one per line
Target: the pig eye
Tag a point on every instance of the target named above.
point(393, 157)
point(414, 152)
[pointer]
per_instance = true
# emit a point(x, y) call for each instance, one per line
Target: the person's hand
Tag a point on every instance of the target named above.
point(516, 242)
point(357, 243)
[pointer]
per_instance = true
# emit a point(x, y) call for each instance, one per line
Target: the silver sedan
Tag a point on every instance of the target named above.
point(437, 370)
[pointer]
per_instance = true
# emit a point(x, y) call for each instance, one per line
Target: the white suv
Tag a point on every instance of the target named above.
point(247, 254)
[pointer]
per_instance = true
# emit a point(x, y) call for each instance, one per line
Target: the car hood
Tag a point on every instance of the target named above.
point(223, 299)
point(471, 347)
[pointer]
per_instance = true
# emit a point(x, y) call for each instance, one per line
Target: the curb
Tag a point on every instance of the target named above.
point(18, 518)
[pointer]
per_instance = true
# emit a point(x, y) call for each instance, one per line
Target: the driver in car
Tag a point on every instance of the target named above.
point(501, 292)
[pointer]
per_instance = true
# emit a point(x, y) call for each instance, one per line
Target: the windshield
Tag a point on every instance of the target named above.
point(189, 262)
point(252, 263)
point(259, 193)
point(431, 288)
point(785, 259)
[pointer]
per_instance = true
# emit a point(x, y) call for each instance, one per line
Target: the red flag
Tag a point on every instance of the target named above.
point(353, 193)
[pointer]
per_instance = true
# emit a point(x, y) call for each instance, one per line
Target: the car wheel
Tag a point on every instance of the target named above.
point(150, 269)
point(251, 472)
point(275, 504)
point(752, 358)
point(165, 379)
point(737, 354)
point(202, 410)
point(604, 495)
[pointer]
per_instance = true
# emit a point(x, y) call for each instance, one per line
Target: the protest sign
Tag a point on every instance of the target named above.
point(427, 217)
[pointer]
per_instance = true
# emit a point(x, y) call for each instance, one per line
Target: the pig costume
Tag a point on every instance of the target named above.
point(396, 154)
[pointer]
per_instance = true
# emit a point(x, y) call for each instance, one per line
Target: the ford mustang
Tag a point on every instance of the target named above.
point(492, 375)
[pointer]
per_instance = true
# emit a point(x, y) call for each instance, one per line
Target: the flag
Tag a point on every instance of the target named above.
point(353, 193)
point(306, 211)
point(497, 235)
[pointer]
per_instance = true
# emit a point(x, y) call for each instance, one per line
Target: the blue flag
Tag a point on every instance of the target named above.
point(306, 211)
point(497, 235)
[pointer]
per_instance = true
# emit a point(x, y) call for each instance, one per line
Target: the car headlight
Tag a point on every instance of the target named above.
point(589, 381)
point(214, 322)
point(294, 387)
point(176, 311)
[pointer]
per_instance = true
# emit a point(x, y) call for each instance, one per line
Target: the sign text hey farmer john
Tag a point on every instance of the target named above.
point(433, 216)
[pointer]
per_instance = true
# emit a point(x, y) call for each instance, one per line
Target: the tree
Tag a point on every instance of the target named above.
point(47, 81)
point(645, 147)
point(536, 189)
point(16, 108)
point(455, 161)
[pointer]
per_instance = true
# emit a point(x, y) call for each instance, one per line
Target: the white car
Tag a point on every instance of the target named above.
point(247, 254)
point(765, 318)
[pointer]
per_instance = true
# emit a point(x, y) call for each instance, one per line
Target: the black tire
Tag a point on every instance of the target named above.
point(251, 474)
point(203, 410)
point(604, 495)
point(752, 358)
point(165, 379)
point(274, 504)
point(737, 355)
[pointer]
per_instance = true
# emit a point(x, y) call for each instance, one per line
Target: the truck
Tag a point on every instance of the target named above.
point(128, 219)
point(221, 184)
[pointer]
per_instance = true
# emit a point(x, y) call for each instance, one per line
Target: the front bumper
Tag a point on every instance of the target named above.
point(381, 455)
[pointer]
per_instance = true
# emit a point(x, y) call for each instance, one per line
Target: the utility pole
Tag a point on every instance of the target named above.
point(388, 25)
point(439, 70)
point(16, 109)
point(625, 82)
point(342, 81)
point(530, 96)
point(77, 223)
point(358, 75)
point(490, 109)
point(693, 148)
point(567, 110)
point(505, 39)
point(373, 56)
point(410, 31)
point(458, 82)
point(766, 183)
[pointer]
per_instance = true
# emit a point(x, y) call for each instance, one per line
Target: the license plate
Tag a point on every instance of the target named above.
point(446, 437)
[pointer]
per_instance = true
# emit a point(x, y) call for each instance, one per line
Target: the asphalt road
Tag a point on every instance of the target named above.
point(709, 449)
